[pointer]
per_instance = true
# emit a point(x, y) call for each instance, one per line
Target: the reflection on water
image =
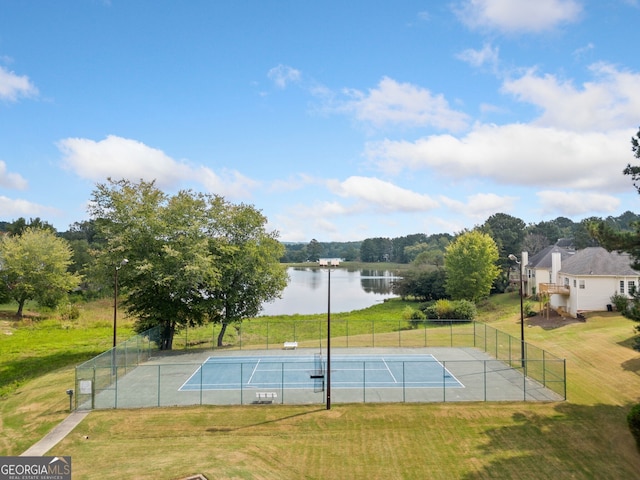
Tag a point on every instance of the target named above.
point(351, 289)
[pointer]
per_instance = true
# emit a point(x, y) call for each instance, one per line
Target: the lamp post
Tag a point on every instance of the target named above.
point(513, 258)
point(115, 298)
point(329, 339)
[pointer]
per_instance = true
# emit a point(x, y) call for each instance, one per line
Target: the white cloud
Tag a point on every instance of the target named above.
point(282, 75)
point(481, 205)
point(479, 58)
point(610, 102)
point(23, 208)
point(576, 203)
point(404, 104)
point(518, 15)
point(118, 157)
point(14, 86)
point(226, 183)
point(11, 180)
point(383, 195)
point(515, 154)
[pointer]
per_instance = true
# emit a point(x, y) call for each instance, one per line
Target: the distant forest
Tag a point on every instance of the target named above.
point(511, 234)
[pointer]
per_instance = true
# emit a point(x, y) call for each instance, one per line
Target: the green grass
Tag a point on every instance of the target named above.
point(585, 437)
point(35, 345)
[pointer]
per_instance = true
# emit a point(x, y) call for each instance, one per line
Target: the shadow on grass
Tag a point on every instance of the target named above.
point(15, 372)
point(632, 365)
point(266, 422)
point(576, 441)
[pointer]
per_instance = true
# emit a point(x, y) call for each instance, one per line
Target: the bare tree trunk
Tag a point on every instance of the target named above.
point(166, 338)
point(222, 332)
point(20, 308)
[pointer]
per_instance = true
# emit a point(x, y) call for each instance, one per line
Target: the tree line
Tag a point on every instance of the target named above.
point(86, 253)
point(511, 234)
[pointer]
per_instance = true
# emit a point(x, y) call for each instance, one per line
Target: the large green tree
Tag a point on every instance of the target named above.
point(508, 232)
point(248, 262)
point(34, 266)
point(470, 265)
point(183, 252)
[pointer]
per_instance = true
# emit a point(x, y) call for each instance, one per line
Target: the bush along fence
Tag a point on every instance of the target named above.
point(137, 374)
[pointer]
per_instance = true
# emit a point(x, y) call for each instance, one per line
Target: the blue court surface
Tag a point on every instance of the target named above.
point(310, 372)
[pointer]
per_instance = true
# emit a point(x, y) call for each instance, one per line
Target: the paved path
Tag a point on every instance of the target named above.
point(54, 436)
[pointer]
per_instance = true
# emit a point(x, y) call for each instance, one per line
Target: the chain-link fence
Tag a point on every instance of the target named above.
point(124, 377)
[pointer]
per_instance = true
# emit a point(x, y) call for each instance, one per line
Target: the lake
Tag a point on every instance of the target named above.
point(350, 290)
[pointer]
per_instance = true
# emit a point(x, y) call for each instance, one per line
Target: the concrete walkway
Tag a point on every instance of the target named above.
point(52, 438)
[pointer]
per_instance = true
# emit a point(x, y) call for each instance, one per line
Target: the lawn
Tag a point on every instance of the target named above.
point(584, 437)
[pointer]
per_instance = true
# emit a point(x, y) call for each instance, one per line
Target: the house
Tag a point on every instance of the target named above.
point(586, 280)
point(329, 262)
point(538, 269)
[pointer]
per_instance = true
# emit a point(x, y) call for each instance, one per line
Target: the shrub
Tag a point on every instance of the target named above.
point(464, 310)
point(528, 310)
point(633, 420)
point(415, 317)
point(431, 312)
point(620, 302)
point(69, 311)
point(449, 310)
point(444, 308)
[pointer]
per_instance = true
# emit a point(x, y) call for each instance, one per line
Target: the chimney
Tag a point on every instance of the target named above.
point(556, 265)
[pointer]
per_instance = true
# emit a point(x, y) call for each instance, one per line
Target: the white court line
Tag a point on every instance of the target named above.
point(389, 370)
point(445, 369)
point(254, 372)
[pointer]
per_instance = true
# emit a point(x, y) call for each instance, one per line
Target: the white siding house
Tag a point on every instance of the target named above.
point(325, 262)
point(586, 280)
point(539, 268)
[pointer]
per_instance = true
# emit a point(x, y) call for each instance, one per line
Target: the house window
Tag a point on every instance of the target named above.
point(566, 282)
point(631, 285)
point(582, 284)
point(575, 284)
point(621, 286)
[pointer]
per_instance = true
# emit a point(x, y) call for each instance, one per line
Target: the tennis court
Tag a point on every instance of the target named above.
point(235, 377)
point(309, 372)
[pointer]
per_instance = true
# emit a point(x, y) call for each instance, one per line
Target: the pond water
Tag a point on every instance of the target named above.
point(350, 290)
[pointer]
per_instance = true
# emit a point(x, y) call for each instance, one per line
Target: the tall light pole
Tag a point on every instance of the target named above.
point(513, 258)
point(115, 298)
point(329, 339)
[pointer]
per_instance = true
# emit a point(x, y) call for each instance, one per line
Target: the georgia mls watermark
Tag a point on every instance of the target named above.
point(35, 468)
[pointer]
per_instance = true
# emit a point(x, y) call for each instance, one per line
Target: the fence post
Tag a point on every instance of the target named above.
point(485, 380)
point(373, 333)
point(564, 377)
point(444, 381)
point(404, 384)
point(425, 332)
point(364, 382)
point(347, 333)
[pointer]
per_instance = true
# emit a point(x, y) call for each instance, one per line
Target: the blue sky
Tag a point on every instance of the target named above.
point(339, 120)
